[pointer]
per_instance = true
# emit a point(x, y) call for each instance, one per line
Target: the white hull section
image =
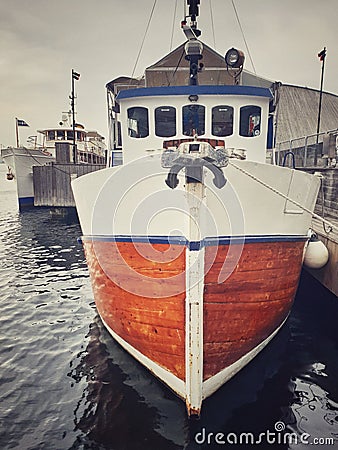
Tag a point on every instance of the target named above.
point(21, 162)
point(134, 200)
point(212, 384)
point(193, 392)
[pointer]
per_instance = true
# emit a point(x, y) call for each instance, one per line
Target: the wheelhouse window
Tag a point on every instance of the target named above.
point(193, 120)
point(70, 135)
point(250, 121)
point(222, 120)
point(165, 121)
point(138, 123)
point(51, 135)
point(61, 135)
point(79, 136)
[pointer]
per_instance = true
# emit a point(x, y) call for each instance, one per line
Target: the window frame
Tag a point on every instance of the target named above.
point(60, 135)
point(156, 121)
point(131, 130)
point(200, 106)
point(244, 121)
point(213, 122)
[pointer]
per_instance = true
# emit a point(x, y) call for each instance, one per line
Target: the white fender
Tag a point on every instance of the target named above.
point(316, 253)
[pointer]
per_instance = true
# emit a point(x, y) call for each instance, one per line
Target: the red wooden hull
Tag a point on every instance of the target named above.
point(254, 301)
point(152, 323)
point(143, 300)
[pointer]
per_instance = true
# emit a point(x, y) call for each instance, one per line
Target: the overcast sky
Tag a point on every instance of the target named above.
point(42, 40)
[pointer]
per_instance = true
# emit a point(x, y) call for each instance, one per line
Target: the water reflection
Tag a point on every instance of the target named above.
point(123, 406)
point(65, 388)
point(313, 410)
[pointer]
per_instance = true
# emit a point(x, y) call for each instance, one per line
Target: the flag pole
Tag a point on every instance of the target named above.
point(17, 132)
point(321, 56)
point(75, 76)
point(73, 124)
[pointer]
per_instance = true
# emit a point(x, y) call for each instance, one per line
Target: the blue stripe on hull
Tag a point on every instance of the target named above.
point(197, 245)
point(26, 202)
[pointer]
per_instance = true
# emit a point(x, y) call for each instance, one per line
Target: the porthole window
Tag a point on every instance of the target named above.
point(165, 121)
point(222, 120)
point(138, 123)
point(193, 120)
point(250, 121)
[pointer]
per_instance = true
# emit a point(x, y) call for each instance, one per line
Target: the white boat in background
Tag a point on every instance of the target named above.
point(195, 244)
point(90, 149)
point(20, 162)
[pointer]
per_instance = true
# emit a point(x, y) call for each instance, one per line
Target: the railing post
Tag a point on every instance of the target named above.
point(277, 154)
point(305, 151)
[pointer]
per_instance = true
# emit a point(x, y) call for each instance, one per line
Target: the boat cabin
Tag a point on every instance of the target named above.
point(150, 119)
point(90, 144)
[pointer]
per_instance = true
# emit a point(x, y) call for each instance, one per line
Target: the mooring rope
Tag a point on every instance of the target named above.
point(276, 191)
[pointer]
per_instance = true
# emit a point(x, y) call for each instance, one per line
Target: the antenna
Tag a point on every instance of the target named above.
point(193, 48)
point(193, 14)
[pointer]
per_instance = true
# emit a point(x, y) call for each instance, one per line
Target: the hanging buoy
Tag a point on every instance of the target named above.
point(316, 254)
point(9, 174)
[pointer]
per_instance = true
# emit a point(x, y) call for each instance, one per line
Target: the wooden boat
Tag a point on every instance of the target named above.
point(195, 244)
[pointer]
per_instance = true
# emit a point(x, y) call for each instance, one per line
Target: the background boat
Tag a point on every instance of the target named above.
point(90, 149)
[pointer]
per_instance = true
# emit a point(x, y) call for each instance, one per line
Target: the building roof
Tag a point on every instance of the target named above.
point(297, 111)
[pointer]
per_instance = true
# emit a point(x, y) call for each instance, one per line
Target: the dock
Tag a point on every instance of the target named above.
point(328, 275)
point(327, 207)
point(52, 182)
point(325, 166)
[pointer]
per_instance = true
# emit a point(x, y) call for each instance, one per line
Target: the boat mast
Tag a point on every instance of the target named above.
point(193, 47)
point(193, 14)
point(75, 76)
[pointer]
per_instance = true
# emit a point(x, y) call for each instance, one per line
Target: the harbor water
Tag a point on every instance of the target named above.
point(65, 384)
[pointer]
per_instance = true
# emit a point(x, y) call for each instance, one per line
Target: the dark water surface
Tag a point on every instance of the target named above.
point(65, 384)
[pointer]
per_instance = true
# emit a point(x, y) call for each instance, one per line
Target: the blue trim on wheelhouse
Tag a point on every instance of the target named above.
point(195, 90)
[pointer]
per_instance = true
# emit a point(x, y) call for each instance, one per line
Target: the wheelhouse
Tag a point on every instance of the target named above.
point(91, 147)
point(238, 115)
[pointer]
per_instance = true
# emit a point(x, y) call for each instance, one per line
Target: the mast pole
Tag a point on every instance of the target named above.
point(73, 115)
point(17, 132)
point(75, 76)
point(193, 47)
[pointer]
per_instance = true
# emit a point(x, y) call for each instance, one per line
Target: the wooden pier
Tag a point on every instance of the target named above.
point(52, 182)
point(328, 275)
point(327, 207)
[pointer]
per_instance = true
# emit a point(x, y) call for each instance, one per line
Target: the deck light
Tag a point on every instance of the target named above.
point(234, 58)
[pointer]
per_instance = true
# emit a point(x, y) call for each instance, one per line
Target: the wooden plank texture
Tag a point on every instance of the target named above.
point(153, 323)
point(52, 183)
point(251, 303)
